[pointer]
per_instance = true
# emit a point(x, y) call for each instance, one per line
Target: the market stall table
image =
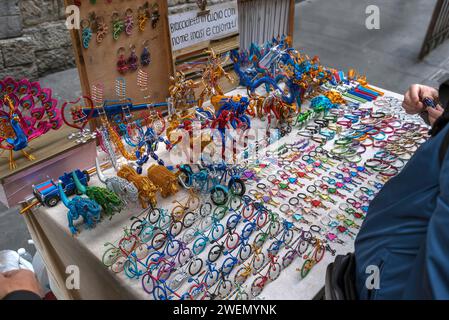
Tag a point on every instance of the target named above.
point(48, 227)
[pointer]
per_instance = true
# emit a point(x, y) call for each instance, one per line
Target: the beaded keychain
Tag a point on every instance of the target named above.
point(117, 25)
point(129, 22)
point(145, 57)
point(143, 16)
point(122, 63)
point(133, 60)
point(102, 29)
point(86, 34)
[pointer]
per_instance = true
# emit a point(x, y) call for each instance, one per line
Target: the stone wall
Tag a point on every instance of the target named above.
point(34, 40)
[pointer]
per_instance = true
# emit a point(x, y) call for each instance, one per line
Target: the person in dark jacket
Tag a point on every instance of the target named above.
point(404, 240)
point(19, 285)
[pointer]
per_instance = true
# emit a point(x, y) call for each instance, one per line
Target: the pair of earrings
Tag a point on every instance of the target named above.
point(132, 62)
point(98, 26)
point(119, 25)
point(144, 14)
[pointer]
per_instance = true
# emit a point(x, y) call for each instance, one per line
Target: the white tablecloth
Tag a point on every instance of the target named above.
point(48, 227)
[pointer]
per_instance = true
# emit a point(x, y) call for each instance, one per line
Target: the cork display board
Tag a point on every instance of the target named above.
point(97, 59)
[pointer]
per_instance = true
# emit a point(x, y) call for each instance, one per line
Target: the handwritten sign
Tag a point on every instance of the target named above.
point(189, 28)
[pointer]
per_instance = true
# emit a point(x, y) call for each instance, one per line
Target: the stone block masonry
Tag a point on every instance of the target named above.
point(33, 38)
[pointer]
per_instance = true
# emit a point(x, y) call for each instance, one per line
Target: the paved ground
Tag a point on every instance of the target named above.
point(335, 31)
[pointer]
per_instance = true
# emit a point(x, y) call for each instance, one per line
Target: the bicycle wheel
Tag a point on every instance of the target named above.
point(241, 296)
point(288, 237)
point(262, 219)
point(241, 275)
point(288, 258)
point(195, 266)
point(248, 230)
point(194, 202)
point(164, 271)
point(141, 251)
point(232, 241)
point(211, 278)
point(154, 216)
point(306, 267)
point(119, 265)
point(217, 232)
point(233, 221)
point(164, 222)
point(153, 258)
point(275, 228)
point(237, 187)
point(158, 241)
point(224, 289)
point(173, 248)
point(319, 253)
point(302, 248)
point(245, 252)
point(198, 291)
point(148, 283)
point(131, 269)
point(206, 224)
point(189, 219)
point(274, 271)
point(218, 196)
point(258, 262)
point(177, 281)
point(274, 248)
point(248, 212)
point(199, 246)
point(257, 286)
point(228, 265)
point(176, 228)
point(215, 253)
point(188, 236)
point(184, 256)
point(178, 213)
point(220, 212)
point(259, 240)
point(147, 234)
point(205, 209)
point(235, 202)
point(136, 227)
point(110, 256)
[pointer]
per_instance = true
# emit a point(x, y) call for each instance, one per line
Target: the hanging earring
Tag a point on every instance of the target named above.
point(143, 16)
point(155, 15)
point(133, 60)
point(122, 65)
point(102, 29)
point(86, 34)
point(117, 26)
point(145, 57)
point(129, 22)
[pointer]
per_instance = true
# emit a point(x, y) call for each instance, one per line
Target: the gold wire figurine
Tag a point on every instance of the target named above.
point(164, 179)
point(212, 74)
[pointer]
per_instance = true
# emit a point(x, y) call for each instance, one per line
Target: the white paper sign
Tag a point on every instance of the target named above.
point(188, 28)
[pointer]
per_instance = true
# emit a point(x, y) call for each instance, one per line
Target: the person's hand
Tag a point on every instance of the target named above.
point(414, 96)
point(18, 280)
point(434, 114)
